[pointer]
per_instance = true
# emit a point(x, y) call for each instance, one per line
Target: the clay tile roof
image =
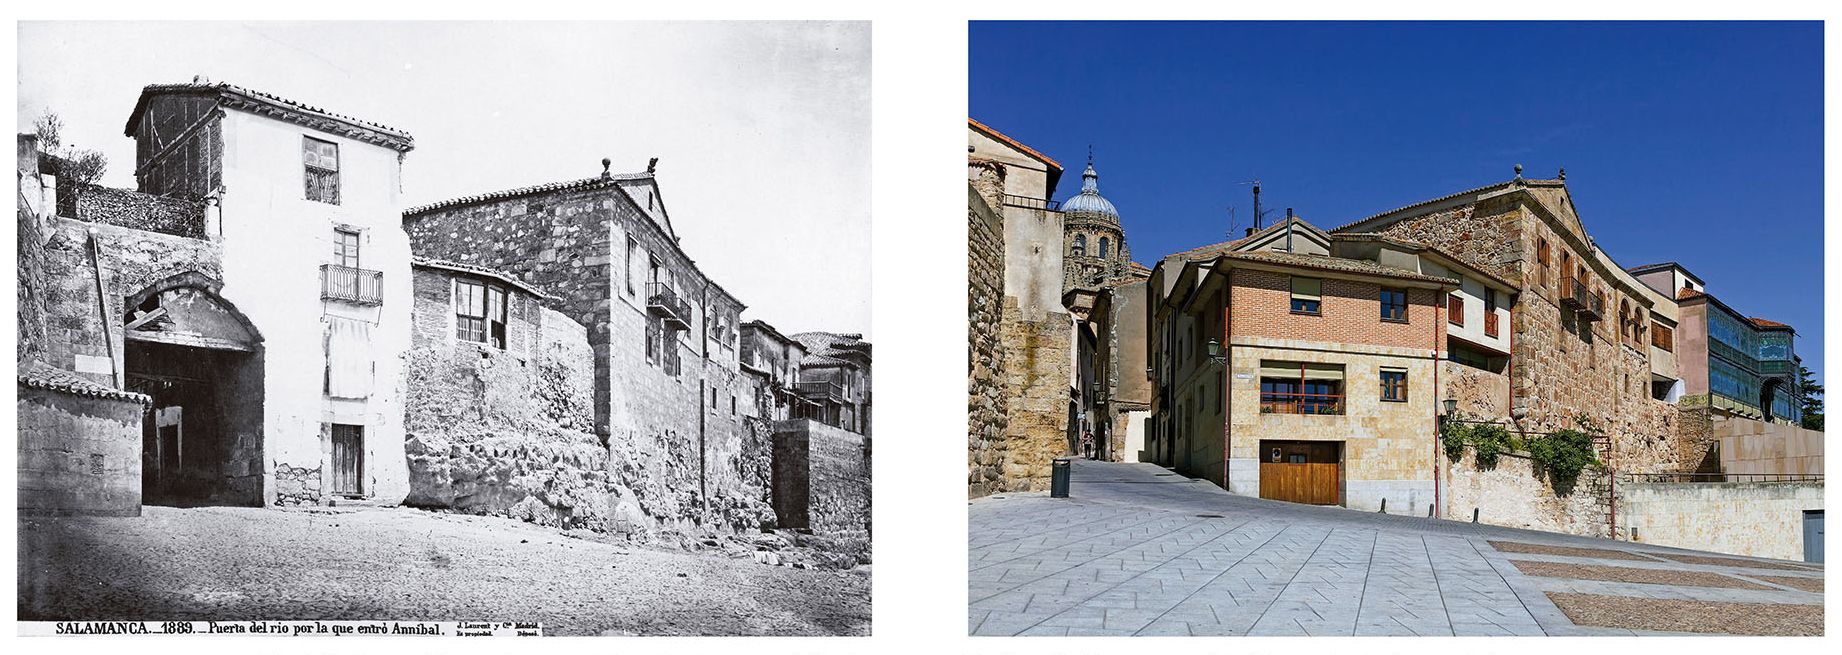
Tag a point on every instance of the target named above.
point(1423, 203)
point(1012, 142)
point(1338, 264)
point(1686, 293)
point(285, 109)
point(827, 347)
point(1768, 324)
point(1140, 267)
point(477, 269)
point(570, 185)
point(39, 375)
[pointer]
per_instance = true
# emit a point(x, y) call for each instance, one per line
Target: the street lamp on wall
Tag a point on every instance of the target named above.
point(1215, 352)
point(1450, 405)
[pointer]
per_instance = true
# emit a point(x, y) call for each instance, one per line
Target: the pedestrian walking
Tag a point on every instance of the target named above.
point(1087, 444)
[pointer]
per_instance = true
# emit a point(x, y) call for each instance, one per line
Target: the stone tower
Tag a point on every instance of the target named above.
point(1094, 245)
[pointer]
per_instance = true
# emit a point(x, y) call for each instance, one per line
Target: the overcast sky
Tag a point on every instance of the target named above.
point(762, 130)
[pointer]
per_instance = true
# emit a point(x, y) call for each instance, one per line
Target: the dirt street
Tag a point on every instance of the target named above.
point(224, 563)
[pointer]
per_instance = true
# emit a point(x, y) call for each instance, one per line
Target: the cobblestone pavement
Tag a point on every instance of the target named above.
point(224, 563)
point(1138, 550)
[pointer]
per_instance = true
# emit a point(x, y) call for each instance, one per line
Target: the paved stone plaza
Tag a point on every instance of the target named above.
point(1138, 550)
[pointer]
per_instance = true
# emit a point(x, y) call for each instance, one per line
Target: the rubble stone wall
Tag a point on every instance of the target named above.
point(986, 403)
point(78, 454)
point(1515, 494)
point(140, 211)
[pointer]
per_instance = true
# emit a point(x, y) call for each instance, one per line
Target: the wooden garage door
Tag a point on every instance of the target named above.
point(1300, 471)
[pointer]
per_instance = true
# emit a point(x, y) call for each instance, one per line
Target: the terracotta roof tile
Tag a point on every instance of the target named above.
point(1767, 324)
point(1686, 293)
point(39, 375)
point(570, 185)
point(1338, 264)
point(250, 99)
point(1012, 142)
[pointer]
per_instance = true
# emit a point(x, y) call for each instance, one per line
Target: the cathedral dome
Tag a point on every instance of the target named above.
point(1089, 201)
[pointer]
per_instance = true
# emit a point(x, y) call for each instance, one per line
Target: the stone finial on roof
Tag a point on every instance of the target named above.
point(652, 165)
point(1518, 171)
point(605, 165)
point(1563, 174)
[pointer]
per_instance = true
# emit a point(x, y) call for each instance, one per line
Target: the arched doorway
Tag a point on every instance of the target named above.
point(201, 361)
point(1768, 396)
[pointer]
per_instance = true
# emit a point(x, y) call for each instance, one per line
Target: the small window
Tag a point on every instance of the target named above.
point(1394, 385)
point(479, 313)
point(633, 246)
point(1455, 310)
point(1306, 295)
point(1080, 246)
point(1542, 261)
point(1663, 338)
point(321, 159)
point(1103, 247)
point(1394, 305)
point(345, 248)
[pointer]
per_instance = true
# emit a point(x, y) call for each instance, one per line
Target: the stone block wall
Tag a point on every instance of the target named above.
point(1755, 519)
point(821, 478)
point(1749, 446)
point(1037, 368)
point(78, 454)
point(75, 334)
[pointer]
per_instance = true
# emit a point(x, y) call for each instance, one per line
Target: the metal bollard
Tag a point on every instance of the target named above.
point(1474, 515)
point(1384, 509)
point(1058, 477)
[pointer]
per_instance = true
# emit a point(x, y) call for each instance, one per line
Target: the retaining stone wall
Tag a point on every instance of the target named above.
point(78, 454)
point(987, 414)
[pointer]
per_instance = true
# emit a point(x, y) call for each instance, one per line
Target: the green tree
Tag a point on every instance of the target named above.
point(1810, 398)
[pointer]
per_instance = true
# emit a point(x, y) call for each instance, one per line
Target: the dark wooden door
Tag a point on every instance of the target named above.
point(1301, 471)
point(348, 459)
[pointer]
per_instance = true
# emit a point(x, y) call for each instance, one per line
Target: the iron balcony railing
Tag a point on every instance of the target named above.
point(1710, 478)
point(1027, 202)
point(353, 285)
point(664, 302)
point(1301, 403)
point(822, 389)
point(1581, 298)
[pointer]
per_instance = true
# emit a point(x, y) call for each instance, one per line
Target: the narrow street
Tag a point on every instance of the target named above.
point(223, 563)
point(1138, 550)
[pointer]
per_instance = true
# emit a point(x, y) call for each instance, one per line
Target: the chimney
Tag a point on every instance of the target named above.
point(1288, 229)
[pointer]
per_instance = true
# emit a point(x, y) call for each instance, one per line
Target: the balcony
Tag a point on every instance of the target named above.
point(353, 285)
point(1777, 368)
point(1301, 403)
point(821, 390)
point(1579, 295)
point(1027, 202)
point(1490, 324)
point(663, 302)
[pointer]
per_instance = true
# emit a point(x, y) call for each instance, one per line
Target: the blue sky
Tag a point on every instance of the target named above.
point(1700, 143)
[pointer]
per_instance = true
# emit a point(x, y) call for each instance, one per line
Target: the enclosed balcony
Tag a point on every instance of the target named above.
point(353, 285)
point(822, 390)
point(663, 302)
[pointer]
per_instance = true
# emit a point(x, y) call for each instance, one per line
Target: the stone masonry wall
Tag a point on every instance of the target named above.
point(133, 209)
point(1755, 519)
point(1513, 494)
point(504, 432)
point(821, 478)
point(1036, 374)
point(986, 405)
point(78, 454)
point(132, 260)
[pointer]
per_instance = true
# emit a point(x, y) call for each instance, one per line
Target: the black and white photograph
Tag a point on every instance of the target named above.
point(555, 328)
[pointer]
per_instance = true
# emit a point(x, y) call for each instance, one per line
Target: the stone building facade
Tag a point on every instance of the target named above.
point(1035, 333)
point(181, 291)
point(987, 404)
point(681, 403)
point(772, 361)
point(834, 379)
